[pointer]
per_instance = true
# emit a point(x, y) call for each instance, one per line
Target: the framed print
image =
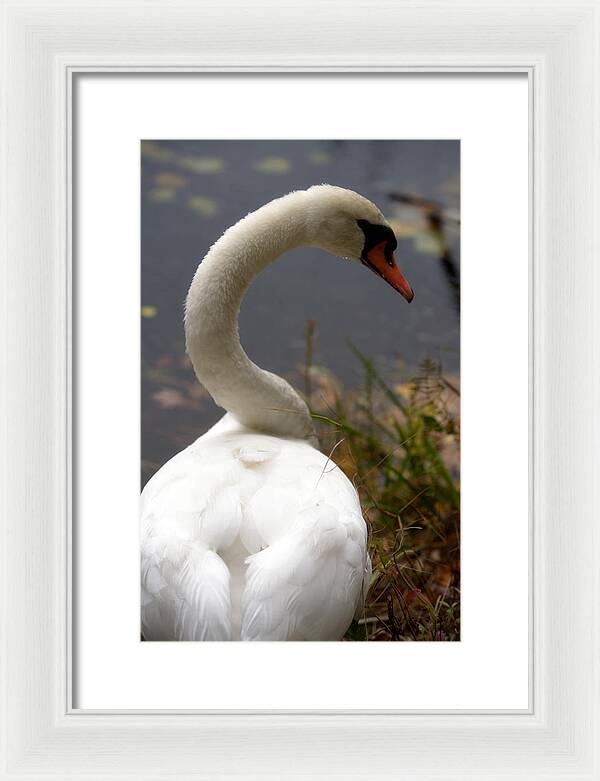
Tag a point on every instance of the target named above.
point(404, 494)
point(169, 386)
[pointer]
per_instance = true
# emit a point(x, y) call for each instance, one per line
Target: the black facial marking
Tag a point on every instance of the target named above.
point(374, 235)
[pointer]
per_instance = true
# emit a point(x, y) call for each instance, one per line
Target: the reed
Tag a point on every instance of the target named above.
point(398, 440)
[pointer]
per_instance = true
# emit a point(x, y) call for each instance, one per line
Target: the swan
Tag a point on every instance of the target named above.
point(251, 533)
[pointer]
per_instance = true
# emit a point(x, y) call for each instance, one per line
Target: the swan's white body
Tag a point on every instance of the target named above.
point(252, 537)
point(251, 533)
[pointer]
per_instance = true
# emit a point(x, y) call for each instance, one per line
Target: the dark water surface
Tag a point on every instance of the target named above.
point(193, 190)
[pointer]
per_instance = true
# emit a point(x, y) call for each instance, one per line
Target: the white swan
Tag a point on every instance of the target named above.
point(251, 533)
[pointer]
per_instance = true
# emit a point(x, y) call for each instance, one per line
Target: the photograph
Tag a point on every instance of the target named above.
point(300, 390)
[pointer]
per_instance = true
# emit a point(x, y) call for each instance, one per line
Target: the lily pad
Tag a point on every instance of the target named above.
point(273, 165)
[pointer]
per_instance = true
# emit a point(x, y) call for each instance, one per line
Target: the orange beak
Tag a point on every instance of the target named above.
point(384, 264)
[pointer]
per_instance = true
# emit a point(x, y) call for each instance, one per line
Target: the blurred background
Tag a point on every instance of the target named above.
point(381, 377)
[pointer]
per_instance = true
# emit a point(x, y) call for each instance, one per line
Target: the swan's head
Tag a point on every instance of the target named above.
point(348, 225)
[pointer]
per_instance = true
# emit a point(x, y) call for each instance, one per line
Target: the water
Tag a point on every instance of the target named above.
point(193, 190)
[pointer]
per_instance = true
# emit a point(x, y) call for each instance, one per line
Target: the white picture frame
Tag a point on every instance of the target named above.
point(45, 45)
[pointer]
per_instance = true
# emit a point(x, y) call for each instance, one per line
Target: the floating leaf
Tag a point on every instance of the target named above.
point(154, 151)
point(149, 311)
point(202, 205)
point(273, 165)
point(170, 181)
point(169, 398)
point(319, 157)
point(202, 165)
point(162, 194)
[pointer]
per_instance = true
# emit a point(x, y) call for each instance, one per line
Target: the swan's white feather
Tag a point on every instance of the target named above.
point(253, 537)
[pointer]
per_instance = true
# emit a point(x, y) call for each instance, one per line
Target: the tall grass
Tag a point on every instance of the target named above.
point(398, 441)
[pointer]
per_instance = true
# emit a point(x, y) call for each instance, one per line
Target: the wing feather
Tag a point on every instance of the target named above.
point(306, 585)
point(185, 592)
point(234, 493)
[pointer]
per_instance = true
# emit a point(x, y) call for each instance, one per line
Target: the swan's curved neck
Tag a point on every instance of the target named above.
point(258, 399)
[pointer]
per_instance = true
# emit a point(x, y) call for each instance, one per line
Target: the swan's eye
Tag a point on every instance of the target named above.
point(377, 235)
